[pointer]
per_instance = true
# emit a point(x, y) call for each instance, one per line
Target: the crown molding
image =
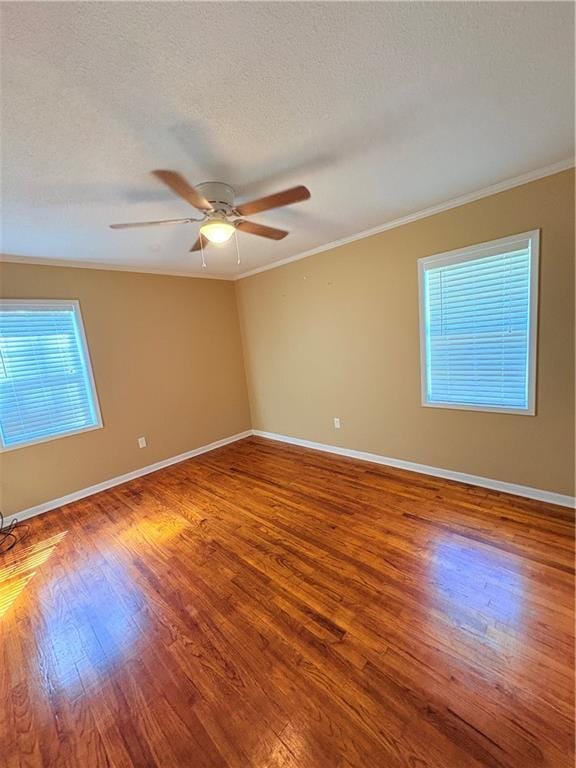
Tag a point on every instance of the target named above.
point(9, 258)
point(455, 202)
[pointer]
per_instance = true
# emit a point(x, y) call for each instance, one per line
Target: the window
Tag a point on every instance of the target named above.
point(46, 384)
point(478, 313)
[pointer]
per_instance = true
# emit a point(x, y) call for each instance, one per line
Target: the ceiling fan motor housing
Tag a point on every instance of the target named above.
point(219, 194)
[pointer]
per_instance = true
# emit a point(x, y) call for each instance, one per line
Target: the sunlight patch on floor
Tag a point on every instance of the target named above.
point(23, 564)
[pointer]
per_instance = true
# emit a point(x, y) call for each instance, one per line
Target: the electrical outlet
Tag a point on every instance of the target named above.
point(141, 442)
point(336, 422)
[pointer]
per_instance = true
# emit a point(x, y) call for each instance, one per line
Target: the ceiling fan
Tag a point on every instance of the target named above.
point(220, 216)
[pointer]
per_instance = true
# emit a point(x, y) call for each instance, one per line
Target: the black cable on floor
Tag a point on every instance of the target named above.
point(9, 534)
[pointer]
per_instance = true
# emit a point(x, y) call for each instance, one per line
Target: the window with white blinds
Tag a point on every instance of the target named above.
point(46, 384)
point(478, 314)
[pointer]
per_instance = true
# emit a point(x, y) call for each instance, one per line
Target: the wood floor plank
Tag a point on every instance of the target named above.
point(267, 606)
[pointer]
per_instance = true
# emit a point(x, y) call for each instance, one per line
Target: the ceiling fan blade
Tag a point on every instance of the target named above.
point(259, 229)
point(287, 197)
point(178, 184)
point(199, 244)
point(150, 223)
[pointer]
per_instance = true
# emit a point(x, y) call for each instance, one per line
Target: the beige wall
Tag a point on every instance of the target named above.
point(336, 334)
point(167, 360)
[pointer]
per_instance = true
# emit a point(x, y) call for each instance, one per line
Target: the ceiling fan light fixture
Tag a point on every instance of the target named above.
point(217, 231)
point(215, 201)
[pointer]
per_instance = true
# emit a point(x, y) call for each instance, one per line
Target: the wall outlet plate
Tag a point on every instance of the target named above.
point(141, 442)
point(336, 422)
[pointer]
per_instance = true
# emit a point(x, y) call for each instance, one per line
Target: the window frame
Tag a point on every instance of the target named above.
point(471, 253)
point(74, 305)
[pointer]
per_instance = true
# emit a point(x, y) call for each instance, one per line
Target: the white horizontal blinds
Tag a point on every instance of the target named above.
point(477, 326)
point(45, 386)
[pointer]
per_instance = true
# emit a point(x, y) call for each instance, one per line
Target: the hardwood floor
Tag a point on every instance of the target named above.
point(265, 606)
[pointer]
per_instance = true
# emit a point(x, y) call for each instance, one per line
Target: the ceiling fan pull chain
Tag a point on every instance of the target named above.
point(202, 249)
point(237, 248)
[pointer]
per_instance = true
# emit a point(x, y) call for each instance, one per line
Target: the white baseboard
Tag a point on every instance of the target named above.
point(447, 474)
point(81, 494)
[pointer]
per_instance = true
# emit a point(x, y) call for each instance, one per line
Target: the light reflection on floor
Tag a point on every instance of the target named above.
point(82, 627)
point(96, 631)
point(158, 530)
point(22, 566)
point(481, 591)
point(94, 620)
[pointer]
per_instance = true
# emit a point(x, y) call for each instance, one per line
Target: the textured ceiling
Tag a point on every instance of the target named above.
point(381, 109)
